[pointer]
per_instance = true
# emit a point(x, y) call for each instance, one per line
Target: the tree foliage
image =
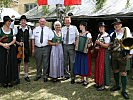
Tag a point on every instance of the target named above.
point(5, 3)
point(99, 4)
point(128, 3)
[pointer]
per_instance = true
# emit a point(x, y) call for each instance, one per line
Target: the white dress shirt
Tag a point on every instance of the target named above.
point(23, 29)
point(47, 35)
point(73, 32)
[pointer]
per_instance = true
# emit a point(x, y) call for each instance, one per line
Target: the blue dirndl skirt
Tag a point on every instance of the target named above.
point(81, 64)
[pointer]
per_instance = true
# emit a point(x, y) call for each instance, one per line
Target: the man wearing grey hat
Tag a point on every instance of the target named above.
point(120, 56)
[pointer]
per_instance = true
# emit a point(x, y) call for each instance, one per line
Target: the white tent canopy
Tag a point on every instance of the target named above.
point(9, 12)
point(115, 7)
point(110, 7)
point(88, 8)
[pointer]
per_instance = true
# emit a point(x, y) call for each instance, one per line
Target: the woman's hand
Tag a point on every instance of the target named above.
point(6, 46)
point(98, 42)
point(57, 43)
point(97, 48)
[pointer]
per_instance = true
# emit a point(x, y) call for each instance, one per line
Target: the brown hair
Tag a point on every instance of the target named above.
point(67, 17)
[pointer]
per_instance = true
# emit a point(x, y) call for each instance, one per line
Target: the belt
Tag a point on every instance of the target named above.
point(41, 46)
point(68, 44)
point(116, 51)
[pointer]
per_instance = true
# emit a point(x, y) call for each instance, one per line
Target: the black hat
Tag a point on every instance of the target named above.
point(6, 18)
point(101, 24)
point(23, 17)
point(116, 20)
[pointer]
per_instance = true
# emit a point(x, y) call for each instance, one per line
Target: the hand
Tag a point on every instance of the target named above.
point(97, 42)
point(56, 44)
point(129, 56)
point(6, 46)
point(75, 42)
point(21, 44)
point(89, 45)
point(97, 47)
point(92, 51)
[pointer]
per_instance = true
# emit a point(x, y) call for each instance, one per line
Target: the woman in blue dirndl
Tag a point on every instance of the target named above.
point(81, 60)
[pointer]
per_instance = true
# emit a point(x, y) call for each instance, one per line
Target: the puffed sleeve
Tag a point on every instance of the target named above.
point(107, 39)
point(89, 35)
point(14, 33)
point(131, 51)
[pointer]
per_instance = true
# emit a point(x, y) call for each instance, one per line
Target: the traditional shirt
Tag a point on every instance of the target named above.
point(104, 37)
point(23, 29)
point(119, 36)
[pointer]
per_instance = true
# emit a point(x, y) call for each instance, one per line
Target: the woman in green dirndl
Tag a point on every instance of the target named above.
point(8, 64)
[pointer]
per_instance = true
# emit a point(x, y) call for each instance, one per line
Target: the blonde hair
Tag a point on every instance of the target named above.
point(57, 22)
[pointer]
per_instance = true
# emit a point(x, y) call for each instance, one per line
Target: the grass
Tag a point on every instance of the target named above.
point(62, 90)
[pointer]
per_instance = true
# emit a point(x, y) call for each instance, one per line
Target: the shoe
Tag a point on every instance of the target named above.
point(85, 83)
point(96, 86)
point(5, 85)
point(107, 87)
point(80, 82)
point(55, 80)
point(100, 88)
point(72, 81)
point(27, 79)
point(10, 85)
point(45, 80)
point(125, 95)
point(115, 88)
point(17, 81)
point(67, 78)
point(37, 78)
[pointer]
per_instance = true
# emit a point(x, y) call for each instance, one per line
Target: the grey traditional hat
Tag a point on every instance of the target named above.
point(23, 17)
point(116, 20)
point(101, 24)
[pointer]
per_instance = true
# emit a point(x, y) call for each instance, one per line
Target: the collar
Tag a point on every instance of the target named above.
point(20, 27)
point(119, 33)
point(69, 26)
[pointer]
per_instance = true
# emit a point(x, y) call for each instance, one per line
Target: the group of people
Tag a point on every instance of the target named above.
point(64, 53)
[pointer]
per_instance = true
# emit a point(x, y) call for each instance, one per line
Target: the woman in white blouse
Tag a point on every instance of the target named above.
point(8, 62)
point(102, 68)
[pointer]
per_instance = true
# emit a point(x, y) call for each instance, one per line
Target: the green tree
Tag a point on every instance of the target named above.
point(128, 3)
point(5, 3)
point(45, 9)
point(99, 4)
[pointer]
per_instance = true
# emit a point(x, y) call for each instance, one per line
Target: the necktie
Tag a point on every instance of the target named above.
point(41, 38)
point(67, 36)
